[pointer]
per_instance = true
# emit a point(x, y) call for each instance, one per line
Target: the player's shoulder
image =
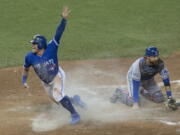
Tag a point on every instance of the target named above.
point(52, 46)
point(160, 60)
point(29, 55)
point(136, 63)
point(53, 42)
point(139, 60)
point(142, 59)
point(28, 59)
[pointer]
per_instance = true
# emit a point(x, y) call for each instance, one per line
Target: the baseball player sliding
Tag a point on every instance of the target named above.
point(44, 60)
point(140, 78)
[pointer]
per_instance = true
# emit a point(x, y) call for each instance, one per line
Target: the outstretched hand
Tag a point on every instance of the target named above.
point(65, 12)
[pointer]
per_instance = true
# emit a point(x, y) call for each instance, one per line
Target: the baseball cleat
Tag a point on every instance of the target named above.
point(75, 119)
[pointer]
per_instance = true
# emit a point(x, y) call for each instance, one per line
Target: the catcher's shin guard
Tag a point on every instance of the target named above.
point(121, 96)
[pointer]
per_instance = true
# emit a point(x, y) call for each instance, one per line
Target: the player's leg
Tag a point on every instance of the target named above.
point(123, 96)
point(151, 91)
point(65, 100)
point(76, 99)
point(56, 92)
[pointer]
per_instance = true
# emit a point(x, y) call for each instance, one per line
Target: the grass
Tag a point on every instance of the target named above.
point(96, 28)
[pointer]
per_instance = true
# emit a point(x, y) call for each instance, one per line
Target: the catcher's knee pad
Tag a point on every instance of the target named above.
point(116, 95)
point(156, 96)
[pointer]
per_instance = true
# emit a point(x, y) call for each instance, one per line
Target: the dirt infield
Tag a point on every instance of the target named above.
point(31, 112)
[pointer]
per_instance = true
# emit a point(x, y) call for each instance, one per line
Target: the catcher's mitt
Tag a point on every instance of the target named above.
point(171, 104)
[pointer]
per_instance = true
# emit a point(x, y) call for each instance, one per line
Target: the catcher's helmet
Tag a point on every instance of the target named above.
point(151, 51)
point(40, 41)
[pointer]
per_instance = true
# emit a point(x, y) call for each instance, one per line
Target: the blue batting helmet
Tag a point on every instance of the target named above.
point(40, 41)
point(151, 51)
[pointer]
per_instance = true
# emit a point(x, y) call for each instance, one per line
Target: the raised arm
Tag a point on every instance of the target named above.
point(61, 27)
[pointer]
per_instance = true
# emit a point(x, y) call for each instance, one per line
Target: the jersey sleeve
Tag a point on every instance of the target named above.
point(27, 61)
point(54, 43)
point(52, 47)
point(135, 74)
point(135, 69)
point(59, 31)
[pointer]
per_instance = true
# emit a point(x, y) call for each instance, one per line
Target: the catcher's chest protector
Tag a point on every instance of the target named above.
point(148, 72)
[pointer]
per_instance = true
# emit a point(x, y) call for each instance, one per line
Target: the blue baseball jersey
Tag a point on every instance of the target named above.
point(46, 66)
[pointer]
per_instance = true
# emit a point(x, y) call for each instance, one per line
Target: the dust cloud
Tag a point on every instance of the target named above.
point(95, 88)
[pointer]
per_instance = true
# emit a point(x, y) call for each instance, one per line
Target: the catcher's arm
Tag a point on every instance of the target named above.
point(171, 102)
point(165, 77)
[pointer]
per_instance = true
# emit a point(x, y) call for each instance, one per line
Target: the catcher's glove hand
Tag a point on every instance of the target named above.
point(171, 104)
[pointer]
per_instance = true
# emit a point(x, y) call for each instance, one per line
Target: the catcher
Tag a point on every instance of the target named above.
point(140, 78)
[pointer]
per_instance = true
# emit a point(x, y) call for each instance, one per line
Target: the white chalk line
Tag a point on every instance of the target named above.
point(170, 123)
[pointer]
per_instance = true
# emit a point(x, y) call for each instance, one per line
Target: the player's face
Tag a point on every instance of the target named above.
point(34, 48)
point(153, 59)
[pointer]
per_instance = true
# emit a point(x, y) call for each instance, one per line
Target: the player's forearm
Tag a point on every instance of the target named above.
point(167, 87)
point(25, 75)
point(60, 30)
point(136, 85)
point(165, 76)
